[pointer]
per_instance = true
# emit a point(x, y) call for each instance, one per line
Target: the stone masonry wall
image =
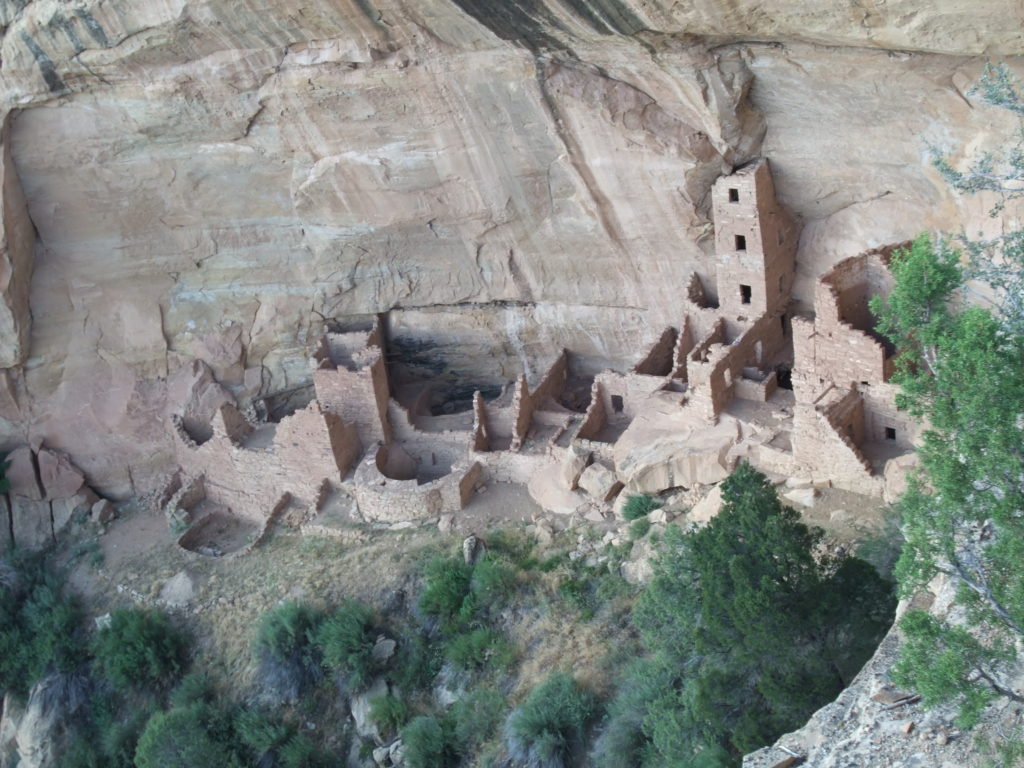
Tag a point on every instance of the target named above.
point(307, 448)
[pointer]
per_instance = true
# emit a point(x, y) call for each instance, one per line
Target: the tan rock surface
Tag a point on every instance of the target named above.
point(212, 179)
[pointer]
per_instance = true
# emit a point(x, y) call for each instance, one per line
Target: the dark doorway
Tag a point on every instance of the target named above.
point(617, 403)
point(741, 243)
point(734, 195)
point(745, 294)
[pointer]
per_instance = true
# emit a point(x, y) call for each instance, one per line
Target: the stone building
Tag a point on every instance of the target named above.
point(739, 378)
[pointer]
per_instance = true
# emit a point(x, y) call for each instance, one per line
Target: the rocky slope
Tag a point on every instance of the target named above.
point(187, 179)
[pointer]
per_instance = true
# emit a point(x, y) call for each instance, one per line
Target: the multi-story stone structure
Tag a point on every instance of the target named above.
point(739, 377)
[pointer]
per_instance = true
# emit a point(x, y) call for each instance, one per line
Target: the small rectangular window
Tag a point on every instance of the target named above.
point(782, 320)
point(734, 195)
point(745, 294)
point(890, 433)
point(617, 403)
point(741, 243)
point(782, 283)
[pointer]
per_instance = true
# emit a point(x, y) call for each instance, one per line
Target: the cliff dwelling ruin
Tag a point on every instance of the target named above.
point(740, 377)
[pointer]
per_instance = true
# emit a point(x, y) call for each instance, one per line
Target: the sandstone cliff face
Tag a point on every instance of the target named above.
point(212, 179)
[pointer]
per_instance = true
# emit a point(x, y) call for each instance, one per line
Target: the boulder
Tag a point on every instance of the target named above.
point(10, 718)
point(64, 510)
point(897, 471)
point(446, 523)
point(638, 569)
point(600, 482)
point(36, 736)
point(473, 548)
point(652, 461)
point(397, 752)
point(359, 705)
point(544, 532)
point(60, 478)
point(31, 522)
point(179, 590)
point(383, 649)
point(576, 460)
point(803, 496)
point(103, 511)
point(22, 474)
point(706, 509)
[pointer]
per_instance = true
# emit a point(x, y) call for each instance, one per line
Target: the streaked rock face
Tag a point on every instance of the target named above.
point(212, 179)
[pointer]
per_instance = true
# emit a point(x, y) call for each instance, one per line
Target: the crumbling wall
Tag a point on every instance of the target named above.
point(360, 396)
point(660, 358)
point(839, 345)
point(481, 432)
point(439, 450)
point(228, 422)
point(307, 448)
point(624, 394)
point(755, 385)
point(715, 368)
point(825, 440)
point(525, 403)
point(685, 342)
point(596, 417)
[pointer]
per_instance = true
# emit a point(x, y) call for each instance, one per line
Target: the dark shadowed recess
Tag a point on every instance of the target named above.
point(530, 22)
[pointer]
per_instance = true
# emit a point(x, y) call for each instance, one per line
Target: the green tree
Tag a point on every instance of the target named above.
point(959, 371)
point(186, 737)
point(547, 729)
point(40, 625)
point(140, 647)
point(345, 639)
point(748, 630)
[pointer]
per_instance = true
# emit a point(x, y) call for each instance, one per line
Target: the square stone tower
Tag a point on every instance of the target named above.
point(756, 241)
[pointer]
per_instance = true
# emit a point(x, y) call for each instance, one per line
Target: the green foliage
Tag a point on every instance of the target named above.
point(287, 630)
point(942, 662)
point(480, 648)
point(184, 738)
point(429, 743)
point(107, 736)
point(492, 582)
point(300, 752)
point(639, 528)
point(40, 627)
point(881, 547)
point(547, 728)
point(475, 717)
point(140, 648)
point(194, 688)
point(960, 371)
point(259, 734)
point(284, 644)
point(388, 713)
point(747, 633)
point(446, 594)
point(639, 506)
point(460, 595)
point(417, 662)
point(345, 640)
